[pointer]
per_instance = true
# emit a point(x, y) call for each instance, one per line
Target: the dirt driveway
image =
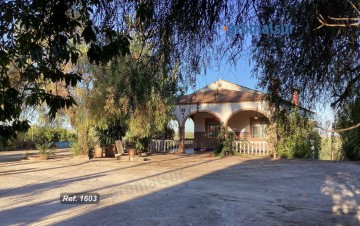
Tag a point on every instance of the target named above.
point(179, 190)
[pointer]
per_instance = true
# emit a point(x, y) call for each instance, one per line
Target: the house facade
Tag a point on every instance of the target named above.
point(241, 110)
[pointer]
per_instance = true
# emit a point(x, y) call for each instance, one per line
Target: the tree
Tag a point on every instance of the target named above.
point(138, 90)
point(37, 39)
point(131, 95)
point(322, 63)
point(348, 116)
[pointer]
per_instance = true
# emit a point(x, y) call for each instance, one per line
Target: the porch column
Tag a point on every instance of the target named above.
point(181, 148)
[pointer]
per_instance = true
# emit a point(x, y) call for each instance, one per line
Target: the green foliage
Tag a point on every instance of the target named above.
point(298, 136)
point(331, 148)
point(114, 130)
point(46, 149)
point(39, 135)
point(76, 149)
point(137, 92)
point(346, 117)
point(38, 40)
point(86, 140)
point(225, 146)
point(168, 133)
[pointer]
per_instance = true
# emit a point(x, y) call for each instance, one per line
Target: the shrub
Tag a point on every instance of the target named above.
point(45, 150)
point(86, 140)
point(75, 149)
point(39, 135)
point(225, 146)
point(348, 116)
point(298, 137)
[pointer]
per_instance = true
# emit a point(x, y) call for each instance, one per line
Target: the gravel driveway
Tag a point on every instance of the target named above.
point(172, 189)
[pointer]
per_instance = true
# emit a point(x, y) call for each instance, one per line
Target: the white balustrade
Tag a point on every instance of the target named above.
point(244, 147)
point(252, 147)
point(158, 145)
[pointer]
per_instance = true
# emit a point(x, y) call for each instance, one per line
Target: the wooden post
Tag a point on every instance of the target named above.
point(181, 148)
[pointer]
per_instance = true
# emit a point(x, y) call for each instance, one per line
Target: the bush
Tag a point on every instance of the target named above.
point(349, 116)
point(76, 150)
point(298, 137)
point(331, 148)
point(139, 143)
point(39, 135)
point(86, 141)
point(45, 150)
point(225, 146)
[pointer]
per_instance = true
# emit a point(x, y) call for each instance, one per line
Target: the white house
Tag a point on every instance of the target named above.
point(241, 110)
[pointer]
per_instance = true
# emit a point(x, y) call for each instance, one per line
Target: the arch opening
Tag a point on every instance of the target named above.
point(248, 125)
point(206, 127)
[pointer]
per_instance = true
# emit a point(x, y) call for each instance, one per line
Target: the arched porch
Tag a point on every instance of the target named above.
point(248, 125)
point(206, 129)
point(239, 109)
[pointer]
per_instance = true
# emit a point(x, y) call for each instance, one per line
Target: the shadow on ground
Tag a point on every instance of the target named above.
point(196, 190)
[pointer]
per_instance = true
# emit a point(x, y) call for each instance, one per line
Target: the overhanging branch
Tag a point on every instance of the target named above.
point(334, 20)
point(339, 130)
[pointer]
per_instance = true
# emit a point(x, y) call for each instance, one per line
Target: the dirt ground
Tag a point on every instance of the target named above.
point(172, 189)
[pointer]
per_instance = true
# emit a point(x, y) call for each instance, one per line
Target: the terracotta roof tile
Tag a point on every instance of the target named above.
point(220, 96)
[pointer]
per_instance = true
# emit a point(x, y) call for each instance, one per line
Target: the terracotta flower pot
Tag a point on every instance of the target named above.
point(98, 152)
point(132, 152)
point(110, 151)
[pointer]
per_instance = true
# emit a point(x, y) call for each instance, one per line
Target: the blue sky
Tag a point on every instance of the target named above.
point(239, 74)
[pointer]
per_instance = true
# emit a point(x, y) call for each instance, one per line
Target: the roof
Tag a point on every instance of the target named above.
point(220, 96)
point(222, 91)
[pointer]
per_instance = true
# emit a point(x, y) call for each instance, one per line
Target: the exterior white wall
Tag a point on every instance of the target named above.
point(222, 110)
point(199, 121)
point(240, 122)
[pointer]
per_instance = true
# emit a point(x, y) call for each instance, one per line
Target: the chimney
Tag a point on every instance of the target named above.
point(295, 97)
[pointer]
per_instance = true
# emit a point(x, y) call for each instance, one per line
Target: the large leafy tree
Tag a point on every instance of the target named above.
point(138, 90)
point(322, 62)
point(133, 94)
point(39, 37)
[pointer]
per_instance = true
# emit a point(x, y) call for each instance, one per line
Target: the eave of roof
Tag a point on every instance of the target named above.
point(220, 96)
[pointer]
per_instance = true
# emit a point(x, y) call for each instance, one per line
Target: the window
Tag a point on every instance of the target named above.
point(259, 128)
point(212, 128)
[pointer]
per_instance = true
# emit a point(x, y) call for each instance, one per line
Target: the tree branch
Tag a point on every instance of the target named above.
point(347, 90)
point(323, 22)
point(339, 130)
